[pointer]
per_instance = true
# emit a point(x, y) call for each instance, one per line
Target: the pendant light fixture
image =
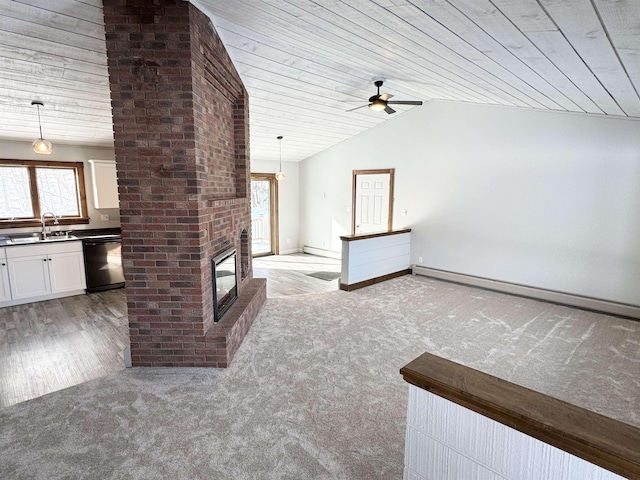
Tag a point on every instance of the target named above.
point(280, 174)
point(41, 145)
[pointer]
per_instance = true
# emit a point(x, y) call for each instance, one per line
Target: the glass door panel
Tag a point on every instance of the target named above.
point(263, 215)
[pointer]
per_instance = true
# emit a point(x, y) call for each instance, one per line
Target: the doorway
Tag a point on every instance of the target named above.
point(264, 214)
point(372, 201)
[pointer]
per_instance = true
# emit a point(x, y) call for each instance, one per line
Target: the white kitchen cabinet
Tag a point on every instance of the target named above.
point(44, 271)
point(104, 181)
point(29, 276)
point(5, 291)
point(66, 272)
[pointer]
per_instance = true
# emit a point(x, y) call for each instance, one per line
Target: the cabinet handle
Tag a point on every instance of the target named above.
point(44, 259)
point(4, 264)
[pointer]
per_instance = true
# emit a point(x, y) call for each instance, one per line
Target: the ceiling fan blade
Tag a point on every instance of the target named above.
point(361, 106)
point(389, 110)
point(406, 102)
point(385, 96)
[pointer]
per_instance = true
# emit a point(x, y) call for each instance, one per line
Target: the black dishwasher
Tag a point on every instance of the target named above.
point(102, 260)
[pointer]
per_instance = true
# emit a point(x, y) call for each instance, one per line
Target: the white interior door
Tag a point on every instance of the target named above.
point(372, 202)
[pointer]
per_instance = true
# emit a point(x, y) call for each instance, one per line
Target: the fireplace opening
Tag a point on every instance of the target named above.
point(225, 282)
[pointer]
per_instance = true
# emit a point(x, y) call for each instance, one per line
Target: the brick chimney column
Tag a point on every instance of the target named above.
point(181, 141)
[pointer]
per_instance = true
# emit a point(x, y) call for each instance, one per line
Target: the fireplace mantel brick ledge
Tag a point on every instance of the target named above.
point(223, 340)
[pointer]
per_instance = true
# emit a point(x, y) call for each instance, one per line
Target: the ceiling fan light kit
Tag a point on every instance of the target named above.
point(380, 102)
point(280, 174)
point(41, 145)
point(377, 105)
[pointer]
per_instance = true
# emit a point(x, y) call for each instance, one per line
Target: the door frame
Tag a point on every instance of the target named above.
point(354, 184)
point(273, 212)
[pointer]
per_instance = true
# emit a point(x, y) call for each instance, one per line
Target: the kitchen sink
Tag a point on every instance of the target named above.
point(21, 240)
point(37, 238)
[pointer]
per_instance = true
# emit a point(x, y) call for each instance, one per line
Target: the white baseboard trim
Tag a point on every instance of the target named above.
point(587, 303)
point(40, 298)
point(290, 251)
point(322, 253)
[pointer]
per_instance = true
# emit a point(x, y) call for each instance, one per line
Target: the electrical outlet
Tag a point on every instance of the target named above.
point(104, 218)
point(403, 213)
point(419, 259)
point(288, 240)
point(348, 209)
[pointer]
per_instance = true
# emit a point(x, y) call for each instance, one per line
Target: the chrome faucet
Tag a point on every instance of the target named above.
point(43, 219)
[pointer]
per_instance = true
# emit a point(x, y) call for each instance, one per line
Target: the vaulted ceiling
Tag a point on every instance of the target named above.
point(305, 63)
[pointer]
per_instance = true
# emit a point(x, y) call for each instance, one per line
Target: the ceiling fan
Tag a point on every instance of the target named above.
point(379, 102)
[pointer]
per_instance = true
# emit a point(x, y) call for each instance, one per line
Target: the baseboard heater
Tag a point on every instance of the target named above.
point(588, 303)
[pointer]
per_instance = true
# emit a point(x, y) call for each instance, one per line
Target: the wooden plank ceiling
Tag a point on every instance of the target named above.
point(306, 62)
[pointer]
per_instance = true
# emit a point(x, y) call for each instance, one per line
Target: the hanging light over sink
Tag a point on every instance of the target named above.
point(41, 145)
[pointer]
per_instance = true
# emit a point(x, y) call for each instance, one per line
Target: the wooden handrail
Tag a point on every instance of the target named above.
point(364, 236)
point(601, 440)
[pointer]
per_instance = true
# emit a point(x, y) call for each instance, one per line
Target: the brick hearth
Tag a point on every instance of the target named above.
point(180, 116)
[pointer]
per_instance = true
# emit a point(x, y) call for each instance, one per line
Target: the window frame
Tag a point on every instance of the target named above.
point(31, 165)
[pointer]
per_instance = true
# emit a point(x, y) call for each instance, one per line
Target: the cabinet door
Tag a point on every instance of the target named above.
point(105, 184)
point(66, 271)
point(5, 292)
point(29, 277)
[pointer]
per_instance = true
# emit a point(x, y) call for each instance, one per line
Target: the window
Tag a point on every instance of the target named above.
point(30, 188)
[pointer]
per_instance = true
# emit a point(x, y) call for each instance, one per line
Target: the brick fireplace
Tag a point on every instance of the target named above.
point(180, 116)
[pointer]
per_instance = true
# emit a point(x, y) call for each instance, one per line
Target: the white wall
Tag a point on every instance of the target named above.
point(544, 199)
point(66, 153)
point(288, 204)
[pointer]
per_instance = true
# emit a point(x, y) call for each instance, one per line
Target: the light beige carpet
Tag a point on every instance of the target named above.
point(314, 392)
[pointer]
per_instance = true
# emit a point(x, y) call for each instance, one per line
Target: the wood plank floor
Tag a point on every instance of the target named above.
point(289, 274)
point(51, 345)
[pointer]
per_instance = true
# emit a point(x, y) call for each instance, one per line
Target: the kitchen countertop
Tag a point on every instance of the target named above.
point(21, 240)
point(96, 232)
point(35, 238)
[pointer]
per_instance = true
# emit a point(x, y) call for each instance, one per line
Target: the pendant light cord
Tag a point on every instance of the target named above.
point(39, 122)
point(280, 174)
